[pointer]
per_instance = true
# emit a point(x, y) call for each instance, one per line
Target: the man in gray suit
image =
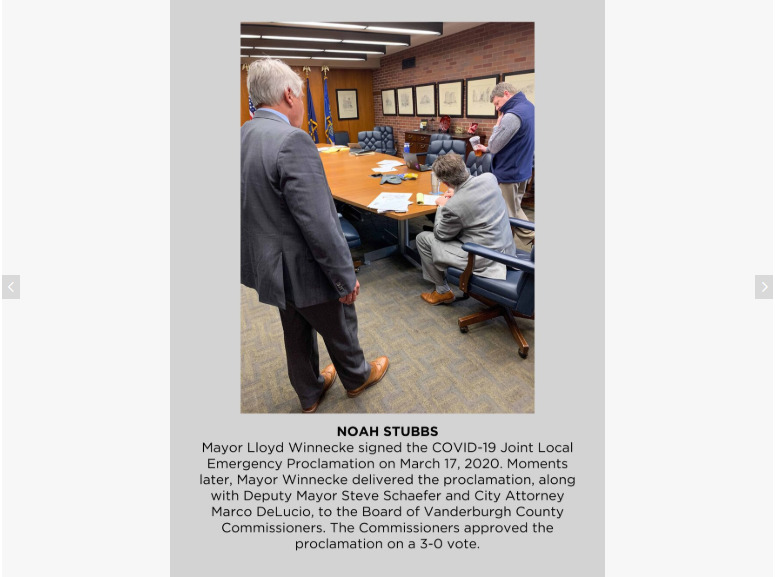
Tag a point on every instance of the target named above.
point(293, 250)
point(474, 212)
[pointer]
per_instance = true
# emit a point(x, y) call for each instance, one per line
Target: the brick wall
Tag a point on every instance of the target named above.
point(492, 48)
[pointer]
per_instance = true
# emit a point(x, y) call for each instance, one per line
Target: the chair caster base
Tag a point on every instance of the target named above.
point(493, 312)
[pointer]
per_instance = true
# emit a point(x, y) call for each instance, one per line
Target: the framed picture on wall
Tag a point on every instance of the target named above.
point(478, 92)
point(389, 102)
point(425, 99)
point(347, 104)
point(450, 98)
point(524, 81)
point(405, 99)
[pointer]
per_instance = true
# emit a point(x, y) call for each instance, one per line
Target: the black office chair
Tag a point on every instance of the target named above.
point(388, 142)
point(440, 147)
point(477, 165)
point(511, 297)
point(341, 138)
point(370, 139)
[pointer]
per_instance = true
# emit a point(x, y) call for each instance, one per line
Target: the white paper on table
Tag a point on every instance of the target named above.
point(383, 169)
point(395, 206)
point(395, 201)
point(390, 163)
point(429, 198)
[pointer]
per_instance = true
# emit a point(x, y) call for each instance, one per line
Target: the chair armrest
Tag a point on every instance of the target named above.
point(475, 250)
point(515, 222)
point(507, 259)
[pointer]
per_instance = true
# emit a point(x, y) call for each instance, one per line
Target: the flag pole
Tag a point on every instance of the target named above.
point(327, 107)
point(312, 121)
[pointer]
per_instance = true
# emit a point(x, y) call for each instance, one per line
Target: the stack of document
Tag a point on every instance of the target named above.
point(395, 201)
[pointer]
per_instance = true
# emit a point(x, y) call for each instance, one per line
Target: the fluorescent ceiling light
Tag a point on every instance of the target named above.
point(328, 24)
point(400, 30)
point(334, 58)
point(354, 51)
point(286, 48)
point(249, 36)
point(380, 43)
point(301, 39)
point(283, 57)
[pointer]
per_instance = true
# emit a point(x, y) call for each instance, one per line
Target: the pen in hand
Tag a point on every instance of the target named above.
point(442, 200)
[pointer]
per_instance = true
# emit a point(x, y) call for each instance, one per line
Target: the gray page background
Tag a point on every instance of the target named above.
point(205, 324)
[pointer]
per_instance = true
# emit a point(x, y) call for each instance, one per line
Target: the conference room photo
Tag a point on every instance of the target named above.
point(387, 203)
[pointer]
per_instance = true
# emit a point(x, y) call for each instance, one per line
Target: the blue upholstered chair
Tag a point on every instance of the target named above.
point(350, 234)
point(434, 137)
point(511, 297)
point(439, 147)
point(341, 138)
point(388, 142)
point(439, 136)
point(352, 237)
point(478, 164)
point(370, 139)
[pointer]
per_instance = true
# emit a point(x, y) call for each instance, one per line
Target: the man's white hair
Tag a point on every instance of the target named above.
point(267, 80)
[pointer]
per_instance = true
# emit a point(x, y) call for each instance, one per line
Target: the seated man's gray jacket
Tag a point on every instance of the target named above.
point(475, 213)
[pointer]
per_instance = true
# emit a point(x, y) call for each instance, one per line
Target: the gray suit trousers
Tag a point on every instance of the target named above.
point(512, 194)
point(337, 323)
point(437, 274)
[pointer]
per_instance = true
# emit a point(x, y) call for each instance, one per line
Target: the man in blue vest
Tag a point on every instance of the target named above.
point(512, 145)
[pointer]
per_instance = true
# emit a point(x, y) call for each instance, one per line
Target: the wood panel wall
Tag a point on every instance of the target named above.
point(341, 79)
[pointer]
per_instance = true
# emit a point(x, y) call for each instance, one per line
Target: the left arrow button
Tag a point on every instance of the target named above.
point(11, 286)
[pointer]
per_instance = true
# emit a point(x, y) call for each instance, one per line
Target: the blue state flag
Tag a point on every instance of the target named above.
point(327, 108)
point(312, 121)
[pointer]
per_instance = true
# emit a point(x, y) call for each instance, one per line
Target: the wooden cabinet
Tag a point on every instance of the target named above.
point(419, 139)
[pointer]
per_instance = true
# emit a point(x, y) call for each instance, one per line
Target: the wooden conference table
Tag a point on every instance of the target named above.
point(350, 180)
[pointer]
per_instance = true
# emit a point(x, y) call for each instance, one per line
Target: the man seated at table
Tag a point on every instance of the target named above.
point(475, 212)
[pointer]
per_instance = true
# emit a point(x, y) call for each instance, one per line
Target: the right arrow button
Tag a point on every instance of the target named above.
point(764, 286)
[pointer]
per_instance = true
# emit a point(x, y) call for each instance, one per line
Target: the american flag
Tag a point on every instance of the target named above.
point(251, 107)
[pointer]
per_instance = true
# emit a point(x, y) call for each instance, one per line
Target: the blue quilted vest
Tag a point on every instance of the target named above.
point(514, 162)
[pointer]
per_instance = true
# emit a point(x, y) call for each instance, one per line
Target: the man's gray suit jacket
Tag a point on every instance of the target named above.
point(292, 243)
point(475, 213)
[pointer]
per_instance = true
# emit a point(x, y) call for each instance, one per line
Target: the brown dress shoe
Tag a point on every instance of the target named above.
point(379, 367)
point(329, 376)
point(435, 298)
